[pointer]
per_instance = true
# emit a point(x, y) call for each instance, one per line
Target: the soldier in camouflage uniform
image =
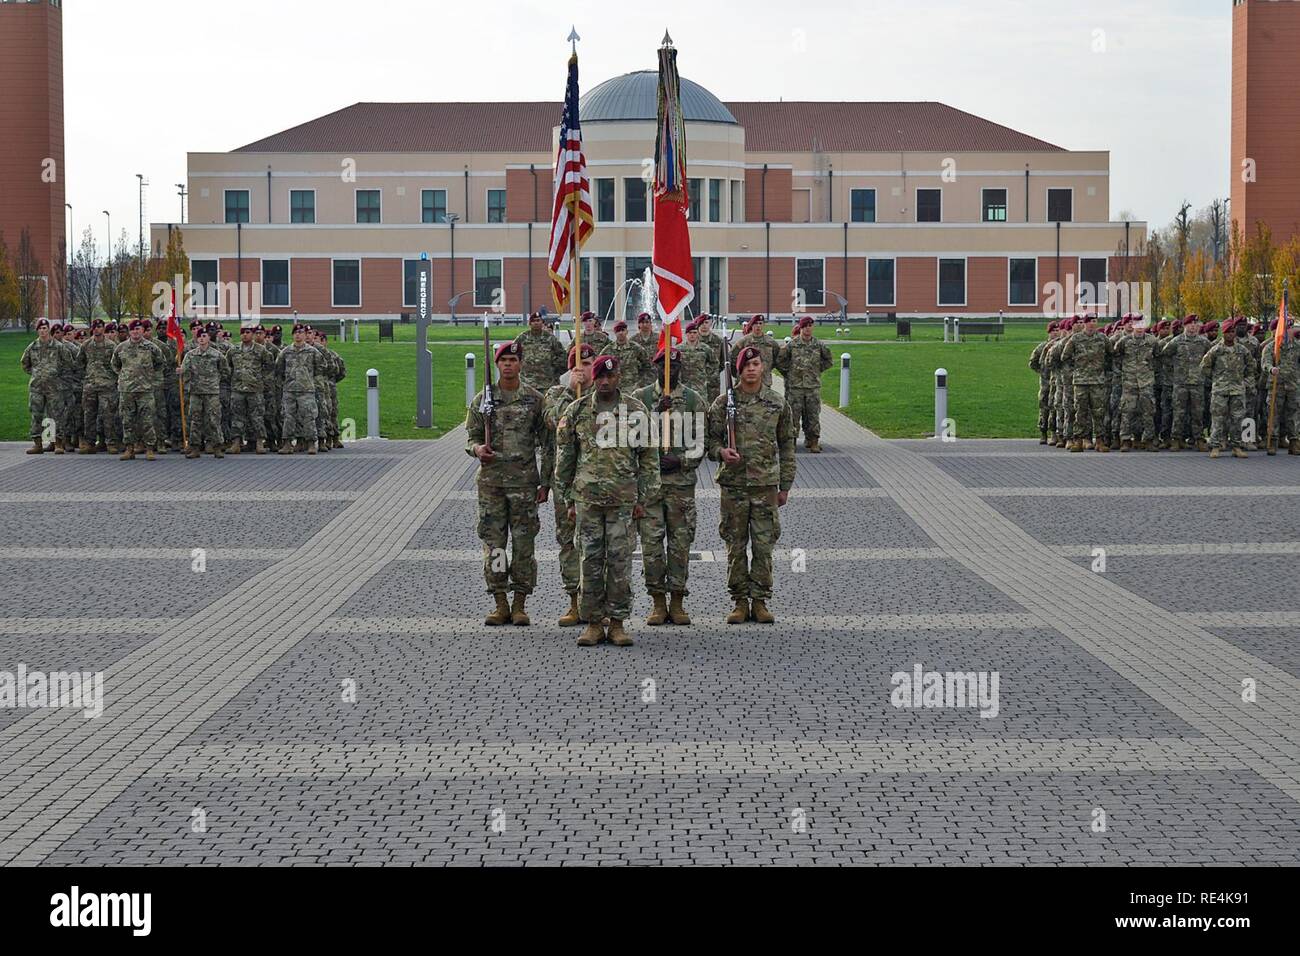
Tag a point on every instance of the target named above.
point(545, 358)
point(250, 364)
point(755, 337)
point(1135, 353)
point(506, 443)
point(607, 476)
point(558, 398)
point(158, 381)
point(1038, 364)
point(270, 389)
point(634, 368)
point(296, 367)
point(169, 402)
point(646, 336)
point(316, 340)
point(1164, 388)
point(1248, 339)
point(1115, 381)
point(670, 517)
point(802, 363)
point(201, 372)
point(592, 333)
point(1227, 363)
point(136, 362)
point(44, 361)
point(1065, 383)
point(1286, 414)
point(340, 372)
point(756, 477)
point(1185, 352)
point(98, 392)
point(697, 360)
point(1086, 351)
point(714, 341)
point(70, 379)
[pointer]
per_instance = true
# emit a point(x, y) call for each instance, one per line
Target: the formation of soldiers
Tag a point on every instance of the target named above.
point(617, 452)
point(1180, 384)
point(117, 386)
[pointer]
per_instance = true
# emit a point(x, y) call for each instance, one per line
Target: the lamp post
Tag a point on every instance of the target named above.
point(108, 256)
point(67, 264)
point(182, 192)
point(452, 219)
point(140, 238)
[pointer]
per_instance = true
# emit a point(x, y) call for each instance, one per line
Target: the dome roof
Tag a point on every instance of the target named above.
point(635, 96)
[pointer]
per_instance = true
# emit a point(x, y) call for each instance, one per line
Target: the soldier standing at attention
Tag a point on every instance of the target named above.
point(169, 404)
point(1087, 352)
point(506, 439)
point(558, 398)
point(592, 333)
point(697, 360)
point(250, 363)
point(201, 375)
point(755, 337)
point(316, 340)
point(633, 362)
point(1064, 383)
point(756, 476)
point(713, 341)
point(270, 389)
point(1137, 403)
point(606, 481)
point(69, 426)
point(545, 359)
point(1038, 364)
point(136, 362)
point(296, 368)
point(43, 361)
point(98, 392)
point(802, 363)
point(1286, 421)
point(1227, 364)
point(337, 374)
point(670, 516)
point(1185, 352)
point(645, 334)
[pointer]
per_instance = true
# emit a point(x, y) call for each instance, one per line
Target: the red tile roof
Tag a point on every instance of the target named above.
point(526, 128)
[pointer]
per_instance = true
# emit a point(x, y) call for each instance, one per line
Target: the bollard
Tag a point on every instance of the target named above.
point(956, 330)
point(372, 403)
point(356, 331)
point(845, 360)
point(469, 379)
point(947, 327)
point(940, 400)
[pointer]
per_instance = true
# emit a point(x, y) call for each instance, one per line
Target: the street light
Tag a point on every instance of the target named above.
point(453, 218)
point(67, 264)
point(140, 246)
point(182, 191)
point(108, 256)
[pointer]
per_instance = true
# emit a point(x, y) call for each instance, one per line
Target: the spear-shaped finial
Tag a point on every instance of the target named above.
point(668, 41)
point(573, 38)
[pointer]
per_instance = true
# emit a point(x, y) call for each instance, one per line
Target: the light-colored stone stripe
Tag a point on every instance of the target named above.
point(61, 769)
point(1134, 491)
point(1181, 666)
point(1180, 550)
point(706, 758)
point(85, 626)
point(211, 555)
point(1243, 619)
point(115, 497)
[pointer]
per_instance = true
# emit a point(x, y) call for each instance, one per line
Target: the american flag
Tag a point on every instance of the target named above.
point(571, 185)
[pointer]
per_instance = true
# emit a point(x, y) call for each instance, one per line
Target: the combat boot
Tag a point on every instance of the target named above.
point(139, 448)
point(501, 615)
point(1061, 442)
point(592, 636)
point(740, 614)
point(37, 448)
point(570, 617)
point(518, 616)
point(1214, 452)
point(215, 451)
point(1087, 444)
point(260, 447)
point(617, 636)
point(1042, 438)
point(676, 613)
point(1294, 447)
point(1142, 445)
point(192, 453)
point(1176, 444)
point(311, 448)
point(1102, 447)
point(1125, 446)
point(1239, 453)
point(1076, 446)
point(1202, 445)
point(761, 615)
point(58, 447)
point(149, 454)
point(338, 442)
point(111, 448)
point(236, 447)
point(85, 448)
point(286, 448)
point(128, 455)
point(660, 613)
point(815, 447)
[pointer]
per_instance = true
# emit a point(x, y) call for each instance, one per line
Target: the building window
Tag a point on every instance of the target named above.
point(1092, 282)
point(410, 283)
point(635, 267)
point(347, 282)
point(862, 205)
point(487, 282)
point(737, 201)
point(715, 200)
point(995, 205)
point(604, 273)
point(929, 205)
point(236, 205)
point(496, 205)
point(952, 282)
point(275, 282)
point(604, 200)
point(634, 204)
point(716, 268)
point(433, 205)
point(1023, 282)
point(880, 282)
point(693, 189)
point(808, 279)
point(1060, 205)
point(203, 278)
point(368, 205)
point(302, 205)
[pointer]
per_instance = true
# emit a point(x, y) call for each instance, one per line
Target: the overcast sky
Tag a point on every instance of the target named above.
point(149, 80)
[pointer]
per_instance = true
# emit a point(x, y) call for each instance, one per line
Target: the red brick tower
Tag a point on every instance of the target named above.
point(1266, 116)
point(31, 126)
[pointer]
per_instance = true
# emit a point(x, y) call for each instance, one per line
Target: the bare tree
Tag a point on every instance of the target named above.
point(33, 291)
point(59, 284)
point(8, 286)
point(84, 279)
point(113, 280)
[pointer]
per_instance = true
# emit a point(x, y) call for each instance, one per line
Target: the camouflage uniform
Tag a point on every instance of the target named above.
point(1286, 423)
point(271, 396)
point(1065, 389)
point(604, 481)
point(1164, 388)
point(324, 369)
point(597, 340)
point(44, 362)
point(507, 486)
point(1185, 352)
point(1227, 366)
point(136, 363)
point(633, 363)
point(802, 363)
point(767, 348)
point(670, 516)
point(714, 341)
point(1038, 364)
point(750, 513)
point(169, 401)
point(1087, 352)
point(98, 391)
point(250, 365)
point(202, 371)
point(1137, 404)
point(545, 359)
point(649, 343)
point(224, 348)
point(697, 366)
point(558, 398)
point(296, 367)
point(1115, 379)
point(338, 374)
point(72, 380)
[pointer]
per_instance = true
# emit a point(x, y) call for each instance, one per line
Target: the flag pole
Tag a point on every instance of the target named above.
point(575, 288)
point(180, 384)
point(1278, 341)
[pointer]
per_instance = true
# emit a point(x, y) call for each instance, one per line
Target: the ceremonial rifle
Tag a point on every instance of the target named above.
point(731, 391)
point(488, 405)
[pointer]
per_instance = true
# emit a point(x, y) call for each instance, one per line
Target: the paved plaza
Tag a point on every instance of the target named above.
point(323, 691)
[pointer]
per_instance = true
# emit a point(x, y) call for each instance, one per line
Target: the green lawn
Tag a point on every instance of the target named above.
point(992, 393)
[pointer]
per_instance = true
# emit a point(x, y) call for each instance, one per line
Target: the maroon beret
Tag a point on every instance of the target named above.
point(659, 356)
point(1191, 320)
point(747, 355)
point(508, 349)
point(301, 328)
point(643, 317)
point(604, 365)
point(588, 315)
point(202, 331)
point(43, 324)
point(110, 327)
point(620, 326)
point(587, 353)
point(135, 324)
point(146, 324)
point(97, 324)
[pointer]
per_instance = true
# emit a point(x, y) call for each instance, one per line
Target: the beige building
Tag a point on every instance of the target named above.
point(908, 209)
